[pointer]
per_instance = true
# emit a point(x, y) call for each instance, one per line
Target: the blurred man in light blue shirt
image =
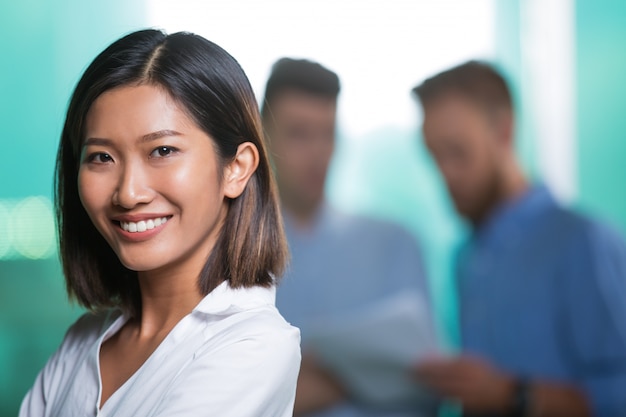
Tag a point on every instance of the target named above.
point(342, 265)
point(542, 289)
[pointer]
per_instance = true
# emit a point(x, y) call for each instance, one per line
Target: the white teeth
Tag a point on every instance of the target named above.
point(142, 225)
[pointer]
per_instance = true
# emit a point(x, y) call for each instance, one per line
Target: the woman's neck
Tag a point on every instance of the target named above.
point(165, 299)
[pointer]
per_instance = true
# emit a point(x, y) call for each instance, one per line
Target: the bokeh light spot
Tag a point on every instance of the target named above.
point(5, 242)
point(31, 228)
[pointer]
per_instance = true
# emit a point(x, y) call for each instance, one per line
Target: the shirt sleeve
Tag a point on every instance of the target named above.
point(254, 376)
point(595, 297)
point(34, 403)
point(59, 371)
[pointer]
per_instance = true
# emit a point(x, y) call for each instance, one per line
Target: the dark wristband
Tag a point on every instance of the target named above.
point(521, 398)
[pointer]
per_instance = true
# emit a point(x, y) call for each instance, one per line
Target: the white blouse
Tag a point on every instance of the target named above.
point(233, 355)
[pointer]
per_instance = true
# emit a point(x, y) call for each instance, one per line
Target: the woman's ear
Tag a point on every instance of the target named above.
point(240, 169)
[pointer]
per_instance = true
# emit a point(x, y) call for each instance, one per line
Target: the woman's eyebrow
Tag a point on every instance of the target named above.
point(97, 142)
point(145, 138)
point(159, 134)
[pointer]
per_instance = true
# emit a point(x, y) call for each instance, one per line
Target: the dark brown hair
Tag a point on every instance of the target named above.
point(474, 80)
point(300, 75)
point(211, 86)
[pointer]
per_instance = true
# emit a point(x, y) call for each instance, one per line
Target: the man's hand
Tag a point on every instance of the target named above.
point(317, 389)
point(476, 384)
point(482, 388)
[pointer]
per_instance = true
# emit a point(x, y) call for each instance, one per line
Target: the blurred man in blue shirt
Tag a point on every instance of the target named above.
point(542, 289)
point(342, 265)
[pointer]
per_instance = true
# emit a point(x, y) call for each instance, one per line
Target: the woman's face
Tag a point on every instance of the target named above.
point(150, 181)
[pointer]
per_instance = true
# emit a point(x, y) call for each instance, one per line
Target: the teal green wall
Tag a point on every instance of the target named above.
point(45, 45)
point(600, 94)
point(508, 57)
point(601, 90)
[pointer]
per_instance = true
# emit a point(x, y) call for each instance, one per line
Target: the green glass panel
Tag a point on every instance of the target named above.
point(601, 90)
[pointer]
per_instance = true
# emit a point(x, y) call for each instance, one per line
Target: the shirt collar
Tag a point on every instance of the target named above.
point(512, 218)
point(224, 300)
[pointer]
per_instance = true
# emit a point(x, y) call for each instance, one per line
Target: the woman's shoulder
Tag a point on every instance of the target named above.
point(88, 328)
point(247, 314)
point(248, 339)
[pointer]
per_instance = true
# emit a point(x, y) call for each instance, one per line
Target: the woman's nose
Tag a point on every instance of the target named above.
point(133, 188)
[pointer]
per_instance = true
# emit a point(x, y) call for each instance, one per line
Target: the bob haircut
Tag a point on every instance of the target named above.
point(212, 88)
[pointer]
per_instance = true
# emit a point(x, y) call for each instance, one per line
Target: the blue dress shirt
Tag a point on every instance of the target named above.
point(542, 294)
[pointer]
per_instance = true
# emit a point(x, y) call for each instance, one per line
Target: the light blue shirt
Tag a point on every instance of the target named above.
point(343, 264)
point(542, 293)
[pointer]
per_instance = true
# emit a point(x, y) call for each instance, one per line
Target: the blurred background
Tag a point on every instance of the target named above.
point(566, 61)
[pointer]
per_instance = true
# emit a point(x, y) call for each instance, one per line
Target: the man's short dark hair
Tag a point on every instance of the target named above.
point(300, 75)
point(474, 80)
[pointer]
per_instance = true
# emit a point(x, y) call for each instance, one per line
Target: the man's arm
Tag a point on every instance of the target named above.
point(483, 389)
point(317, 389)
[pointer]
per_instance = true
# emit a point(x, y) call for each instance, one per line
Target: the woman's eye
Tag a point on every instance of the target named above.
point(162, 152)
point(100, 158)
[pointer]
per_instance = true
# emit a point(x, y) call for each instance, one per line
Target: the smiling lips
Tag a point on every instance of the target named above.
point(143, 225)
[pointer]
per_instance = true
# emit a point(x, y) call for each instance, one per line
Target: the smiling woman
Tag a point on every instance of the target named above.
point(170, 234)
